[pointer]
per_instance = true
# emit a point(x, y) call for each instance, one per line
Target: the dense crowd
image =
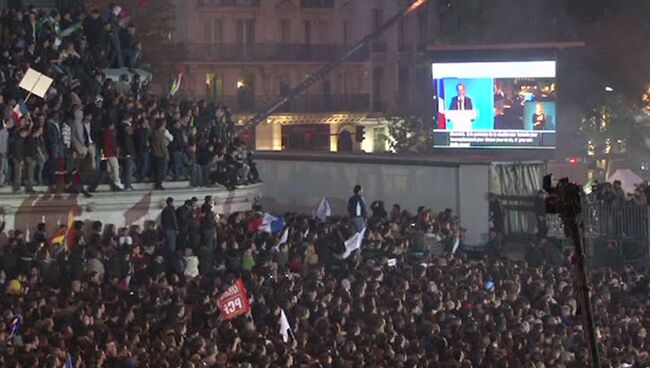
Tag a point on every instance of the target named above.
point(93, 128)
point(134, 297)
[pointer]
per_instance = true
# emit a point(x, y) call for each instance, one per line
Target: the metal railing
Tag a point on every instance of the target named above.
point(255, 3)
point(317, 4)
point(616, 221)
point(625, 224)
point(187, 52)
point(601, 220)
point(305, 103)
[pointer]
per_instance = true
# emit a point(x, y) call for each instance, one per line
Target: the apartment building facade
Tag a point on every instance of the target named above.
point(248, 53)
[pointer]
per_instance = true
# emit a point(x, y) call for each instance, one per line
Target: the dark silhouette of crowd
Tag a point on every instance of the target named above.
point(146, 297)
point(94, 126)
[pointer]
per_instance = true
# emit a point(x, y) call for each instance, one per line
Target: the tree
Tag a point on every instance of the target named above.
point(407, 134)
point(154, 21)
point(613, 127)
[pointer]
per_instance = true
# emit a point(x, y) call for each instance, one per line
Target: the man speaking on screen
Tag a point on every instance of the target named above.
point(460, 101)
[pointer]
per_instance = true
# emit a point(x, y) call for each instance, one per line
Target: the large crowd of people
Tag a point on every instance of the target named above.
point(95, 295)
point(90, 129)
point(135, 297)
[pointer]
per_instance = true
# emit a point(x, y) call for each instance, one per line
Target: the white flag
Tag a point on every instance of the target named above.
point(324, 210)
point(283, 239)
point(456, 244)
point(353, 243)
point(285, 328)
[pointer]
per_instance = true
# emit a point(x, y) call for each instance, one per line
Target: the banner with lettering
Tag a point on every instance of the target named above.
point(234, 301)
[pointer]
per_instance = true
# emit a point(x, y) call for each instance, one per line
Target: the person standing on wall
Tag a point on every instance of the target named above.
point(160, 153)
point(208, 223)
point(18, 155)
point(169, 223)
point(111, 152)
point(357, 209)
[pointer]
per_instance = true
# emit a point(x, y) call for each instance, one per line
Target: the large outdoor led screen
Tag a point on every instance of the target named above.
point(495, 104)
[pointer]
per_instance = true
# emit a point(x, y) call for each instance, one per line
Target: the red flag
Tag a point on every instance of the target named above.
point(142, 3)
point(59, 235)
point(234, 301)
point(255, 223)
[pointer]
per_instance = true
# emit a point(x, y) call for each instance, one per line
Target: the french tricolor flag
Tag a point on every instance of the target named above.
point(442, 119)
point(267, 223)
point(18, 111)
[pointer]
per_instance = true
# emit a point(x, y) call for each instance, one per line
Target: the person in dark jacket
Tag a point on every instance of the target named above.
point(184, 219)
point(357, 209)
point(128, 153)
point(208, 223)
point(19, 155)
point(176, 147)
point(169, 224)
point(142, 148)
point(206, 260)
point(32, 156)
point(10, 260)
point(93, 27)
point(540, 214)
point(195, 224)
point(157, 266)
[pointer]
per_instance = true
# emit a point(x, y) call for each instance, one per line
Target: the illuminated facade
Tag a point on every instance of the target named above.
point(247, 53)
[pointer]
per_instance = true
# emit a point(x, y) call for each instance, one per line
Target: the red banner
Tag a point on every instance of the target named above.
point(234, 301)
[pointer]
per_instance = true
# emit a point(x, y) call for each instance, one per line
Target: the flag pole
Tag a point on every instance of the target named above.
point(29, 94)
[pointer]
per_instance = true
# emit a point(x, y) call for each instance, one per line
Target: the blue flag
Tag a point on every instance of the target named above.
point(15, 325)
point(68, 362)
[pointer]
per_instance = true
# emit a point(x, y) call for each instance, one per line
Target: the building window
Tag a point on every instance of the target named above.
point(245, 31)
point(306, 137)
point(346, 32)
point(215, 86)
point(380, 139)
point(246, 92)
point(423, 29)
point(285, 31)
point(213, 31)
point(401, 35)
point(379, 45)
point(403, 87)
point(284, 84)
point(308, 31)
point(377, 79)
point(324, 31)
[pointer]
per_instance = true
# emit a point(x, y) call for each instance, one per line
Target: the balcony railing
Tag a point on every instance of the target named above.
point(255, 3)
point(256, 52)
point(303, 104)
point(316, 3)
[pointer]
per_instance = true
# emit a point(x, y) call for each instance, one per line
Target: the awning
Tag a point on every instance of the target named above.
point(316, 118)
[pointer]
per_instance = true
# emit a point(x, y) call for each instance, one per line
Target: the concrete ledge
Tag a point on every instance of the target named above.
point(21, 211)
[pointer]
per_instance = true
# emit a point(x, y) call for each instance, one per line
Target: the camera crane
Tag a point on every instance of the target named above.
point(325, 70)
point(565, 199)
